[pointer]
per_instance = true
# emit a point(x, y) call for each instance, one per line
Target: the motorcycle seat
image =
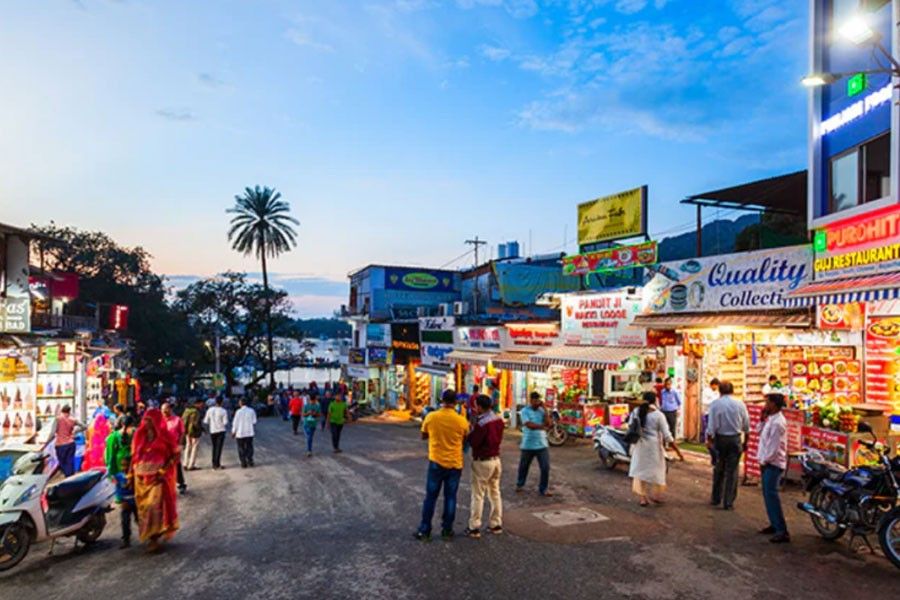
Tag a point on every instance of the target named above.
point(76, 485)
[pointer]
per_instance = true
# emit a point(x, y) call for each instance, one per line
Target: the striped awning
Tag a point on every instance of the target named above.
point(762, 319)
point(842, 291)
point(470, 357)
point(517, 361)
point(585, 357)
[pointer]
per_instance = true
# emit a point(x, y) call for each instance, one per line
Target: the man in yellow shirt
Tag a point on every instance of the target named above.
point(445, 431)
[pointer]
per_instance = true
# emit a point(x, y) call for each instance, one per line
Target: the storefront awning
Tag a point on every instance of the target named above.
point(842, 291)
point(436, 371)
point(585, 357)
point(470, 357)
point(517, 361)
point(762, 319)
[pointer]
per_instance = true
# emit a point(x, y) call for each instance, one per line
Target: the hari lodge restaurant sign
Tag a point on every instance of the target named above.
point(861, 245)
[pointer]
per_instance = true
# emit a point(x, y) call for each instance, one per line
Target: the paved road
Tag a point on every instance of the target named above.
point(338, 526)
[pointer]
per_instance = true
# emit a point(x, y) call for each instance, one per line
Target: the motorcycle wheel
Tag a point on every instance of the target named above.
point(609, 461)
point(889, 536)
point(557, 436)
point(92, 530)
point(14, 544)
point(823, 500)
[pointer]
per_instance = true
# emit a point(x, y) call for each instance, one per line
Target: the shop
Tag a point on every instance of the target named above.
point(405, 356)
point(18, 413)
point(474, 349)
point(436, 373)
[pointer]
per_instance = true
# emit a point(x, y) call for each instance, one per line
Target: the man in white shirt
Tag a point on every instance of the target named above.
point(216, 421)
point(242, 429)
point(773, 462)
point(772, 387)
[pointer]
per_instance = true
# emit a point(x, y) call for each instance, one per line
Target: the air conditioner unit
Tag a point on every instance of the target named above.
point(444, 310)
point(421, 312)
point(460, 308)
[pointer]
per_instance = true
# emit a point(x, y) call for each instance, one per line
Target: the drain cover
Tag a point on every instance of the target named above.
point(572, 516)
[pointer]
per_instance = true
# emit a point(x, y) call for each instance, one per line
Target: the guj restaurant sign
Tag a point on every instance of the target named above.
point(866, 244)
point(759, 280)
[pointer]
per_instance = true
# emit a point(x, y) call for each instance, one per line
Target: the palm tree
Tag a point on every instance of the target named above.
point(262, 225)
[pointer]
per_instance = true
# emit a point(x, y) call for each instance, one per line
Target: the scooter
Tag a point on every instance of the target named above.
point(31, 511)
point(611, 446)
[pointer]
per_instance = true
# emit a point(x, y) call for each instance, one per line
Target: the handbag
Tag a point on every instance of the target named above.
point(635, 430)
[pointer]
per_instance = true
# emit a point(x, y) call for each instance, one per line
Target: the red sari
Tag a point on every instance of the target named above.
point(154, 451)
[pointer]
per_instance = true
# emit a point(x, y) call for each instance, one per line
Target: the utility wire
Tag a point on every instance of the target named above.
point(457, 259)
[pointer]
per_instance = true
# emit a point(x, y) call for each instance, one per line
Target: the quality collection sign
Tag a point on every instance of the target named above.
point(759, 280)
point(615, 217)
point(611, 259)
point(601, 320)
point(862, 245)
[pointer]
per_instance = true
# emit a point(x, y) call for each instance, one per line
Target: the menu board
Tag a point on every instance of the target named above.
point(751, 460)
point(832, 444)
point(883, 362)
point(837, 381)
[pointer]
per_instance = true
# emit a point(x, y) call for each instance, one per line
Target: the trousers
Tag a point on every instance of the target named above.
point(295, 423)
point(486, 481)
point(525, 459)
point(65, 454)
point(192, 445)
point(725, 475)
point(336, 435)
point(218, 441)
point(310, 430)
point(771, 479)
point(245, 451)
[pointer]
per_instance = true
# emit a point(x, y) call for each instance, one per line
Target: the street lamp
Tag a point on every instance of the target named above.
point(819, 79)
point(858, 31)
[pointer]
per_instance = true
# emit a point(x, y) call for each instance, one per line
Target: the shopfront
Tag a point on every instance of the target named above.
point(474, 349)
point(406, 355)
point(436, 372)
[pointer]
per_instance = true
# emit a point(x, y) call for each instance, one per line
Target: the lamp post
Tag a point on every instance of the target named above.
point(857, 31)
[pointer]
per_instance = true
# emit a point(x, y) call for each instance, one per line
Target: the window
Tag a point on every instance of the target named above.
point(861, 175)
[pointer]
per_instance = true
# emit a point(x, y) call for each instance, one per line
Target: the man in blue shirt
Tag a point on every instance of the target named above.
point(535, 422)
point(670, 403)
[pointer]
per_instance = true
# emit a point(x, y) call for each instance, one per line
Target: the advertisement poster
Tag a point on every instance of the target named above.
point(841, 317)
point(601, 320)
point(480, 339)
point(858, 246)
point(378, 356)
point(594, 416)
point(618, 415)
point(748, 281)
point(882, 340)
point(613, 217)
point(419, 280)
point(611, 259)
point(436, 334)
point(356, 356)
point(532, 336)
point(832, 444)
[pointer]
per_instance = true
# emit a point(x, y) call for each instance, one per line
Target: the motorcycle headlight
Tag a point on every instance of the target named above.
point(26, 495)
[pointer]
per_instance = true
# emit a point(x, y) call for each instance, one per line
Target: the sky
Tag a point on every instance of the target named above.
point(396, 129)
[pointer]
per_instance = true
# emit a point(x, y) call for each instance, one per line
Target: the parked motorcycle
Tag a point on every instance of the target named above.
point(863, 500)
point(31, 511)
point(611, 446)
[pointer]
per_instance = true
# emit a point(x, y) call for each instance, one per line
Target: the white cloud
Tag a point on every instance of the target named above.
point(301, 38)
point(520, 9)
point(629, 7)
point(495, 53)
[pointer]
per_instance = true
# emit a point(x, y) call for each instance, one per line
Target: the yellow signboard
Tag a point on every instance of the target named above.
point(615, 217)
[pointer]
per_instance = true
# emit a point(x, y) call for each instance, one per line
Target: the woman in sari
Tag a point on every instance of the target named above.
point(154, 452)
point(648, 459)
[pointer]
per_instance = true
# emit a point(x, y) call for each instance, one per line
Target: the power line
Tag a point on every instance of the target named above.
point(476, 243)
point(458, 258)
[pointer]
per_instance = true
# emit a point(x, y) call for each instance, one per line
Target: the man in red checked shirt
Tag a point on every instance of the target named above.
point(485, 440)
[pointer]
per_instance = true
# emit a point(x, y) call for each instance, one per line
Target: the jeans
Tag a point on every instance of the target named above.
point(771, 479)
point(310, 430)
point(192, 444)
point(725, 475)
point(245, 451)
point(65, 454)
point(336, 435)
point(543, 457)
point(218, 441)
point(486, 480)
point(438, 477)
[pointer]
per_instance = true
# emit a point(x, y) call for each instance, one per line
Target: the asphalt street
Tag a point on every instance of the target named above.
point(340, 526)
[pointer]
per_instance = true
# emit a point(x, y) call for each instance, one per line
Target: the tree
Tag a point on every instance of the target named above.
point(774, 230)
point(262, 226)
point(240, 311)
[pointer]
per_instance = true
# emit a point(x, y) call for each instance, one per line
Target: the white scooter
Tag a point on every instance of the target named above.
point(611, 446)
point(31, 511)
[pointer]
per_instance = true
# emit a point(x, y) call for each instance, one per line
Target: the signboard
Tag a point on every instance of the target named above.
point(601, 320)
point(747, 281)
point(357, 372)
point(436, 334)
point(612, 259)
point(615, 217)
point(866, 244)
point(15, 315)
point(662, 338)
point(841, 317)
point(378, 334)
point(378, 356)
point(882, 364)
point(418, 280)
point(356, 356)
point(526, 336)
point(118, 317)
point(482, 339)
point(405, 343)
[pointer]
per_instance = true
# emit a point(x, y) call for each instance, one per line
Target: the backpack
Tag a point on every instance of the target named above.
point(635, 430)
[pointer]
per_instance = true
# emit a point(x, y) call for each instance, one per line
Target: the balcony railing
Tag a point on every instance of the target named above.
point(68, 322)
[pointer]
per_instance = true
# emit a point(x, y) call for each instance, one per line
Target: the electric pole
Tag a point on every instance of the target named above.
point(477, 243)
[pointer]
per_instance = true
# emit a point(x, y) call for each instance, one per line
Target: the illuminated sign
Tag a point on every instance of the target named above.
point(533, 334)
point(860, 245)
point(613, 217)
point(856, 85)
point(857, 109)
point(611, 259)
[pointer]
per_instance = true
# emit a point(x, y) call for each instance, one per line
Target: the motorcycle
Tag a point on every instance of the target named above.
point(611, 446)
point(863, 500)
point(31, 511)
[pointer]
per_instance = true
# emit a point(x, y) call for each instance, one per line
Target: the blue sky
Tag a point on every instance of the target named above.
point(396, 128)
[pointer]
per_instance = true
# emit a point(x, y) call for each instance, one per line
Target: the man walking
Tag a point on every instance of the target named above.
point(193, 430)
point(295, 408)
point(445, 431)
point(243, 429)
point(216, 422)
point(485, 440)
point(728, 420)
point(670, 404)
point(311, 418)
point(324, 403)
point(773, 462)
point(535, 422)
point(176, 428)
point(337, 417)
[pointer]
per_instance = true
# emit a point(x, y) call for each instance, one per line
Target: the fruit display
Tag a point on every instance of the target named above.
point(830, 415)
